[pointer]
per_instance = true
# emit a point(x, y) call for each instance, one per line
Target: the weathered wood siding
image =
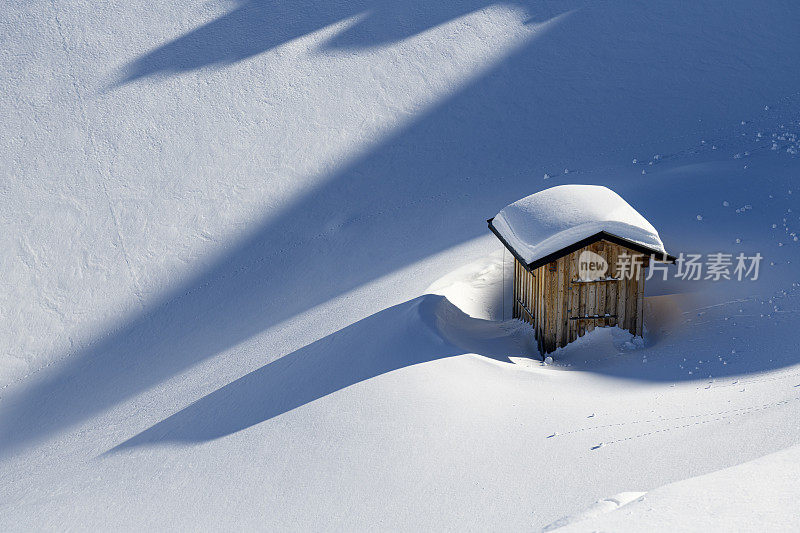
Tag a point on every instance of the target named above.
point(561, 307)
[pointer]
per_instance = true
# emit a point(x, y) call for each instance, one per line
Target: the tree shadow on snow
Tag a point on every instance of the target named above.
point(253, 27)
point(397, 204)
point(425, 189)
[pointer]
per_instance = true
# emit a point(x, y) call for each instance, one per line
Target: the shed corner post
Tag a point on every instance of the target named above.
point(640, 300)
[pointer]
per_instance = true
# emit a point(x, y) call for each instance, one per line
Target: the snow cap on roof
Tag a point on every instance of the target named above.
point(551, 220)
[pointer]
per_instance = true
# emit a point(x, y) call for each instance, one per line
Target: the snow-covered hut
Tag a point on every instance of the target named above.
point(580, 257)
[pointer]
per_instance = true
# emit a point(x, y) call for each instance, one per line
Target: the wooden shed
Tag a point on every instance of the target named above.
point(580, 255)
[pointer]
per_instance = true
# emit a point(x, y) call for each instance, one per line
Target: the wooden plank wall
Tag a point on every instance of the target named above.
point(560, 308)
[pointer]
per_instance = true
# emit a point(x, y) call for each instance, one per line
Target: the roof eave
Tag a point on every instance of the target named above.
point(505, 243)
point(602, 235)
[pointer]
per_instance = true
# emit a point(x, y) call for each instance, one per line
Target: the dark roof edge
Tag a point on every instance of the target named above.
point(602, 235)
point(505, 243)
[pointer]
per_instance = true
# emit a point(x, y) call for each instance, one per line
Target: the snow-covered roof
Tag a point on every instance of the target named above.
point(549, 221)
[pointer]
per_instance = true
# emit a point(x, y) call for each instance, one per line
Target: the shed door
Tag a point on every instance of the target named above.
point(593, 303)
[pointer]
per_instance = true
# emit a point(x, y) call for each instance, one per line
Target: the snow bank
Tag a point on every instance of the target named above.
point(597, 509)
point(760, 495)
point(549, 220)
point(477, 288)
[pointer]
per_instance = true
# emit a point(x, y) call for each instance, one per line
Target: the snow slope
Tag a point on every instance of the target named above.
point(759, 495)
point(222, 221)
